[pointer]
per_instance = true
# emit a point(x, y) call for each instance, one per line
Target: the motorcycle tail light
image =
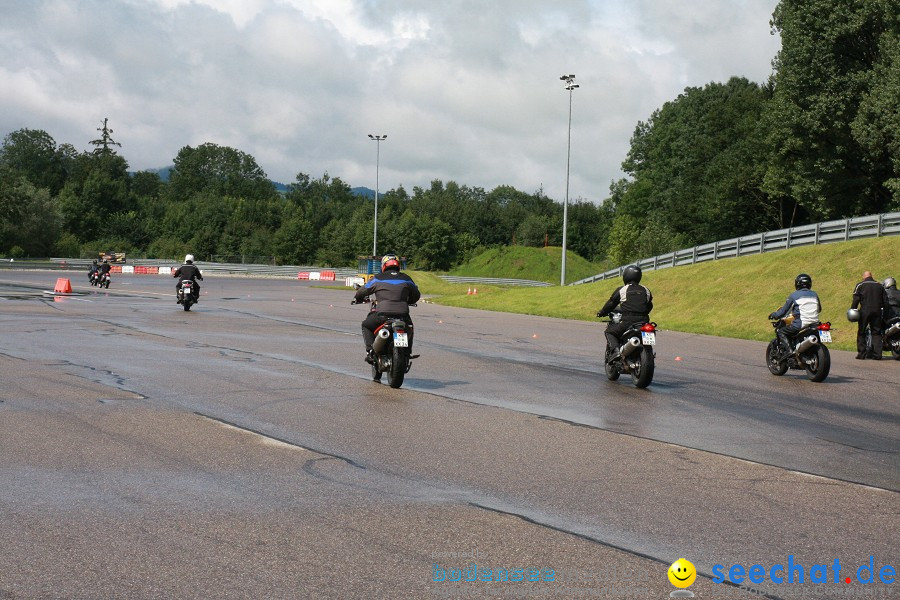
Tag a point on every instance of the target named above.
point(648, 327)
point(824, 327)
point(399, 331)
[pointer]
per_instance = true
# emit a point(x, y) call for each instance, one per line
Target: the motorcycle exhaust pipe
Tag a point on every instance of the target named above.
point(380, 340)
point(630, 346)
point(805, 345)
point(892, 330)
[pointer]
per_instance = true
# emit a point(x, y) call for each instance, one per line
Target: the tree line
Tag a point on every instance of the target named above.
point(819, 140)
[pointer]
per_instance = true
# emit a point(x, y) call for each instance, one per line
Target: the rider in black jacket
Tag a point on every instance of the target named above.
point(188, 271)
point(869, 296)
point(394, 292)
point(633, 300)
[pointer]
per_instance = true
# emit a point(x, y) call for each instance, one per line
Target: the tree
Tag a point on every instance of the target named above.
point(221, 170)
point(697, 165)
point(835, 86)
point(32, 154)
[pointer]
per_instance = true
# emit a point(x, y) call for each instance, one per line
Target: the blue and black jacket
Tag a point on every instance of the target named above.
point(394, 291)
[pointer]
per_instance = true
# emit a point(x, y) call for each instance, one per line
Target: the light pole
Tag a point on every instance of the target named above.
point(570, 85)
point(378, 139)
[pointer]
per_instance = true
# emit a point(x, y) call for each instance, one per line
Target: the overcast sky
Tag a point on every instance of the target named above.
point(465, 90)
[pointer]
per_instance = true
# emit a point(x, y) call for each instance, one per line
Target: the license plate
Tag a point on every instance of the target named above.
point(400, 340)
point(648, 338)
point(825, 336)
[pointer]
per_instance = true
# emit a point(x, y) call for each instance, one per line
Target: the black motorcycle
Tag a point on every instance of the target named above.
point(187, 294)
point(391, 349)
point(890, 339)
point(808, 351)
point(103, 280)
point(635, 354)
point(94, 277)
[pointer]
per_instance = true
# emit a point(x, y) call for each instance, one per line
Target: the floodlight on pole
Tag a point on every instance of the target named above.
point(378, 139)
point(571, 86)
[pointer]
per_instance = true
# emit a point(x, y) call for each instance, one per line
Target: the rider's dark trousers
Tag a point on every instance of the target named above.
point(873, 321)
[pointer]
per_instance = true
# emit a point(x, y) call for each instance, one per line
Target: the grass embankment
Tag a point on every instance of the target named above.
point(520, 262)
point(729, 297)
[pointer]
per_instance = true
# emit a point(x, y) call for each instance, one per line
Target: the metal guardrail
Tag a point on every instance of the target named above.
point(494, 281)
point(829, 232)
point(82, 264)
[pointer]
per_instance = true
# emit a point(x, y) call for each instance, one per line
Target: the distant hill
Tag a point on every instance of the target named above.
point(364, 191)
point(164, 173)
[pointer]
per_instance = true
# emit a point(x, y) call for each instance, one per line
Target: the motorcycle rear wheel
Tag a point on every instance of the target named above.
point(612, 373)
point(642, 375)
point(776, 367)
point(376, 374)
point(817, 369)
point(398, 367)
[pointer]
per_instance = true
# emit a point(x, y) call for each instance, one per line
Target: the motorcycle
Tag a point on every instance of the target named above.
point(808, 351)
point(890, 339)
point(103, 280)
point(391, 349)
point(94, 277)
point(186, 294)
point(635, 354)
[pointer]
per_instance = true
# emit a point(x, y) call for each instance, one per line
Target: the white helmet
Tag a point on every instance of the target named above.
point(188, 258)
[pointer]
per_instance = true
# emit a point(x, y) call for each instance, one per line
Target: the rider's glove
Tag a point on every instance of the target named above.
point(601, 314)
point(772, 316)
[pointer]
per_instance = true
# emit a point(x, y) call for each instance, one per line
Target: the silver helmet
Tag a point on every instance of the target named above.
point(853, 315)
point(888, 283)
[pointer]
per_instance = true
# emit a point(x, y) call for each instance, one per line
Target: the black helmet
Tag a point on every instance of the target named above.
point(803, 282)
point(632, 274)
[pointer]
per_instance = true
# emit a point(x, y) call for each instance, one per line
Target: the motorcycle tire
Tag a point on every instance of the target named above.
point(187, 306)
point(642, 375)
point(817, 369)
point(612, 373)
point(775, 367)
point(398, 367)
point(376, 373)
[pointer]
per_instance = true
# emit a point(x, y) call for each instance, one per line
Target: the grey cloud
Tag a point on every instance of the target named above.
point(467, 91)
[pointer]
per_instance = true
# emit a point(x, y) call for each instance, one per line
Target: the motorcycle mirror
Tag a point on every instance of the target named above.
point(356, 286)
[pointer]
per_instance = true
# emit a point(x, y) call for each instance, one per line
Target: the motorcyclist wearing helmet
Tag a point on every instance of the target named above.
point(104, 268)
point(633, 300)
point(394, 292)
point(803, 305)
point(869, 296)
point(891, 308)
point(188, 271)
point(93, 269)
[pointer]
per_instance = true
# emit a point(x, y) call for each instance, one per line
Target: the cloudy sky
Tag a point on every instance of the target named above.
point(465, 90)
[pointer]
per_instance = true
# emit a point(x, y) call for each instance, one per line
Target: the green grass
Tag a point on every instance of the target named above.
point(729, 297)
point(521, 262)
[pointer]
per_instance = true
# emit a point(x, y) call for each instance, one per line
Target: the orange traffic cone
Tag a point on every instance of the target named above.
point(474, 291)
point(469, 293)
point(63, 286)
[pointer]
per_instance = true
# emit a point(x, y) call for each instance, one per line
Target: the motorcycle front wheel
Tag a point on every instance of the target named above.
point(398, 367)
point(776, 367)
point(642, 375)
point(819, 365)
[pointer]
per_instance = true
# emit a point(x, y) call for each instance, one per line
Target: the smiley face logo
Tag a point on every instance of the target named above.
point(682, 573)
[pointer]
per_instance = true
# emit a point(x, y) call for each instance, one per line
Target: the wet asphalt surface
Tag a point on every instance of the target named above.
point(240, 451)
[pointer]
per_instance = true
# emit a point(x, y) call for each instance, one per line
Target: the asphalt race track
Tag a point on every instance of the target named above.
point(240, 450)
